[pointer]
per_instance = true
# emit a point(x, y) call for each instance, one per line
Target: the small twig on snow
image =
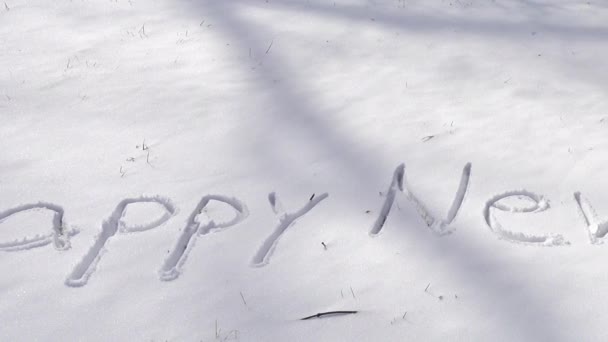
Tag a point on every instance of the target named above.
point(269, 46)
point(243, 298)
point(142, 31)
point(321, 314)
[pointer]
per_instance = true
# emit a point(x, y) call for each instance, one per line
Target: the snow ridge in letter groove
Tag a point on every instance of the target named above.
point(171, 269)
point(262, 257)
point(597, 230)
point(437, 226)
point(83, 270)
point(539, 204)
point(396, 184)
point(60, 237)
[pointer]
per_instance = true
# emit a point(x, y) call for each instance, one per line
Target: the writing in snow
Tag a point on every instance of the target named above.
point(60, 233)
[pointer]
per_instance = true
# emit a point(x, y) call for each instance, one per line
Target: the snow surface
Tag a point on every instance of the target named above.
point(130, 129)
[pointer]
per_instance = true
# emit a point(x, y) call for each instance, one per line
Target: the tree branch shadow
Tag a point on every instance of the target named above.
point(298, 115)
